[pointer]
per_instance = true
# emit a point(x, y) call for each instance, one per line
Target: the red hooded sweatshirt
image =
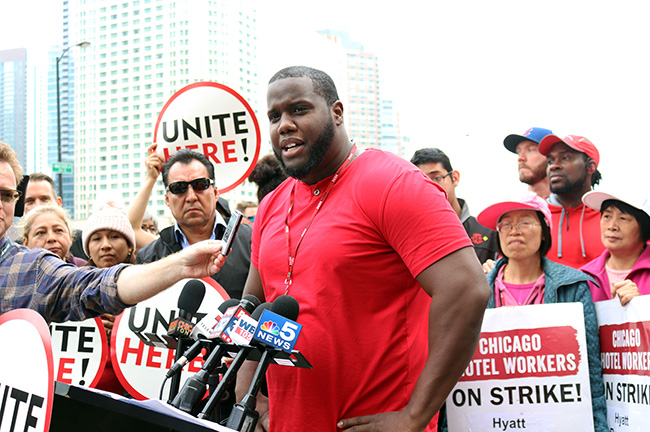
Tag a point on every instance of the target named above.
point(575, 234)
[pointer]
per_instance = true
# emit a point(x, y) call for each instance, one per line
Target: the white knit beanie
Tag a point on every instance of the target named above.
point(108, 217)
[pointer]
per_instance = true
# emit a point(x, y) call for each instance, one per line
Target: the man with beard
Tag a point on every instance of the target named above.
point(572, 170)
point(532, 164)
point(349, 237)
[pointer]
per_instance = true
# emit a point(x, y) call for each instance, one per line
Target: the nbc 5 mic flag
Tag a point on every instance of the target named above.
point(277, 331)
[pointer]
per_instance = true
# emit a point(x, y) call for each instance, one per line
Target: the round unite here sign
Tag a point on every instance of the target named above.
point(215, 120)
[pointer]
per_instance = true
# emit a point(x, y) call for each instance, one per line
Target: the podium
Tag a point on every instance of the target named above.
point(82, 409)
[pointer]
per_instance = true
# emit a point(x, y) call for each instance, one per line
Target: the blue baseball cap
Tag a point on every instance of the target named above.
point(533, 134)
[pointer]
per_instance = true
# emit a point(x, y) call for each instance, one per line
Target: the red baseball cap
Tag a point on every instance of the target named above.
point(576, 142)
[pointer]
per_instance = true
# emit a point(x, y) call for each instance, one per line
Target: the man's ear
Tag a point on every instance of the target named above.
point(337, 112)
point(591, 166)
point(455, 176)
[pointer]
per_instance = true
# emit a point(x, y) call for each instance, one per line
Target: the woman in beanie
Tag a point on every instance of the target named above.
point(108, 239)
point(48, 227)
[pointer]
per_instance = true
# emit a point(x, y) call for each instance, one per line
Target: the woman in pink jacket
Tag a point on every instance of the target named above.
point(623, 269)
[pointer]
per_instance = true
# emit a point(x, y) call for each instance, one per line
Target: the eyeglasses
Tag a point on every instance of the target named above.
point(439, 178)
point(152, 229)
point(522, 227)
point(10, 196)
point(199, 185)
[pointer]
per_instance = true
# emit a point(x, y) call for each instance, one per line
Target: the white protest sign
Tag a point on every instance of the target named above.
point(26, 372)
point(80, 351)
point(215, 120)
point(529, 372)
point(625, 355)
point(141, 368)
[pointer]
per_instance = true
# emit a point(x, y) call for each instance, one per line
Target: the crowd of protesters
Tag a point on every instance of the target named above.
point(560, 242)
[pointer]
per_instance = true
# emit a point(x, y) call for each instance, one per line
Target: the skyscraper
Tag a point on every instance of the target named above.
point(141, 53)
point(66, 76)
point(13, 101)
point(371, 117)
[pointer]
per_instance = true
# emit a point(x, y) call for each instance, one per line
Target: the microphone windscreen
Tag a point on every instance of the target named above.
point(223, 307)
point(249, 302)
point(259, 310)
point(191, 296)
point(286, 306)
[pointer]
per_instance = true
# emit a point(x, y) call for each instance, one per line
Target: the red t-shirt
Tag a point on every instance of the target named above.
point(365, 318)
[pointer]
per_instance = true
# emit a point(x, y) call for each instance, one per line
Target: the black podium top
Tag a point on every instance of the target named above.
point(82, 409)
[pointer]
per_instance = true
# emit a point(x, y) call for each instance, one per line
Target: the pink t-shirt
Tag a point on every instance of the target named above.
point(365, 318)
point(520, 292)
point(616, 275)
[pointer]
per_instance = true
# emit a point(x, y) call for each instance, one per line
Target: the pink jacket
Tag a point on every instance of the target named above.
point(640, 275)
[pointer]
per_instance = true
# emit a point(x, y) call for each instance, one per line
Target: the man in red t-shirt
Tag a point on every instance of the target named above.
point(391, 296)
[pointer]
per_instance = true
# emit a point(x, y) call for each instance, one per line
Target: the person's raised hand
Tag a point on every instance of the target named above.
point(154, 162)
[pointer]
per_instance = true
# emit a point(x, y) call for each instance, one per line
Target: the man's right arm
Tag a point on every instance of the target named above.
point(140, 282)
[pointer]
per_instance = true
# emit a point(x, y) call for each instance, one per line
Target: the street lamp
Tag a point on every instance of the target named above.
point(58, 109)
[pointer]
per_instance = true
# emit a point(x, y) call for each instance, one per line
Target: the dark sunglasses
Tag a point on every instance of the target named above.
point(199, 185)
point(10, 196)
point(251, 218)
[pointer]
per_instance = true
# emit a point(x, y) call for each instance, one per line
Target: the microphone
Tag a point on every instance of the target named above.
point(188, 303)
point(207, 325)
point(194, 388)
point(225, 327)
point(286, 306)
point(199, 334)
point(243, 417)
point(232, 370)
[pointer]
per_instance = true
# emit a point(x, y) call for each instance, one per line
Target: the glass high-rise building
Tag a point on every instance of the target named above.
point(141, 53)
point(13, 101)
point(66, 99)
point(372, 118)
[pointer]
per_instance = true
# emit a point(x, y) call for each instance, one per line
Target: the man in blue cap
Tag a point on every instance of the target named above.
point(532, 164)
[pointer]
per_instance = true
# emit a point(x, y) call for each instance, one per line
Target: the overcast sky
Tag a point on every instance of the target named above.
point(467, 73)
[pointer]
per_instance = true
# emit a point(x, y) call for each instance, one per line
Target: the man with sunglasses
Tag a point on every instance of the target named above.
point(192, 197)
point(435, 164)
point(37, 279)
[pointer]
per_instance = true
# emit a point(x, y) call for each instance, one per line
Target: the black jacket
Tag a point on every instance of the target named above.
point(234, 272)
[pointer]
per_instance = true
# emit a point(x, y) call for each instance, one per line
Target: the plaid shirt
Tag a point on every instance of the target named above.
point(39, 280)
